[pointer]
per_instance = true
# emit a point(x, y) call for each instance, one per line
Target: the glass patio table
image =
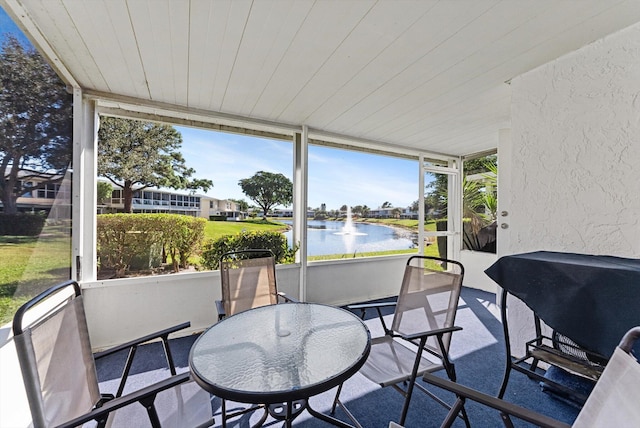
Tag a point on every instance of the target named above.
point(280, 355)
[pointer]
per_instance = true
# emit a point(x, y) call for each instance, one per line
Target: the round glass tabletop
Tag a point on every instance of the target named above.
point(279, 353)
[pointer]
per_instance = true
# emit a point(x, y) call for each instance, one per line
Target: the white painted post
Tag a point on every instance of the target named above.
point(301, 159)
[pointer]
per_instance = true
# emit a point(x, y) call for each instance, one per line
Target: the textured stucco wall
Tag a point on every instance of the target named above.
point(575, 161)
point(576, 151)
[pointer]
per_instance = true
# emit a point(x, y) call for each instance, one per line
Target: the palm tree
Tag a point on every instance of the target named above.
point(480, 204)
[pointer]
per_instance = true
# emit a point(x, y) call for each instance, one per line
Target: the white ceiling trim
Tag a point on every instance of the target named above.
point(420, 75)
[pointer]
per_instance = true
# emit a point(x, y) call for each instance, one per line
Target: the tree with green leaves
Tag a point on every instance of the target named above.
point(104, 191)
point(268, 189)
point(387, 204)
point(241, 204)
point(136, 155)
point(36, 122)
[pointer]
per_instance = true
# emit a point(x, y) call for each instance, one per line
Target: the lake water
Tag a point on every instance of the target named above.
point(329, 237)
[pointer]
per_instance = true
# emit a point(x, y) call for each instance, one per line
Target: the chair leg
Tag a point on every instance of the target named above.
point(224, 413)
point(412, 381)
point(336, 400)
point(453, 413)
point(405, 405)
point(148, 403)
point(450, 369)
point(463, 412)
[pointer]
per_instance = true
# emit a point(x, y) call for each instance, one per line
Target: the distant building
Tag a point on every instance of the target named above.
point(405, 213)
point(288, 212)
point(51, 199)
point(166, 201)
point(408, 213)
point(381, 213)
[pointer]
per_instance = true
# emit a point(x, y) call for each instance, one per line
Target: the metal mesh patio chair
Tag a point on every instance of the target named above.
point(612, 403)
point(248, 280)
point(59, 372)
point(420, 334)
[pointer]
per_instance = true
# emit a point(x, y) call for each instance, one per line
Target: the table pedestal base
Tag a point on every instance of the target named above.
point(290, 410)
point(287, 411)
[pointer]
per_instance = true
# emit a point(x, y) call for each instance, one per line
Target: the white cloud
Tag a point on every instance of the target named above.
point(336, 177)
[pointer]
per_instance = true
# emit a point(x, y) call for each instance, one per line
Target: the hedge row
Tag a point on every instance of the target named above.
point(274, 241)
point(21, 224)
point(144, 240)
point(128, 242)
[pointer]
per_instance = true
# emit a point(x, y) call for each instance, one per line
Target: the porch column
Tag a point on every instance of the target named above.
point(454, 209)
point(300, 188)
point(421, 212)
point(84, 203)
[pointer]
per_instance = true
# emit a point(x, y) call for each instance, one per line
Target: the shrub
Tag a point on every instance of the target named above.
point(21, 224)
point(182, 237)
point(128, 241)
point(274, 241)
point(123, 238)
point(483, 239)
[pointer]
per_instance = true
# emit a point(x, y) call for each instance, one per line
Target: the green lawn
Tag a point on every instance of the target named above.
point(217, 229)
point(429, 226)
point(21, 277)
point(431, 250)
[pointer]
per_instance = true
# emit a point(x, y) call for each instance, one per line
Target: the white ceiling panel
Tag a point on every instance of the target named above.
point(264, 45)
point(422, 74)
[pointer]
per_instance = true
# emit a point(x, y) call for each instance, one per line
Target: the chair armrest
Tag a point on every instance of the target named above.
point(286, 298)
point(437, 332)
point(132, 346)
point(371, 305)
point(125, 400)
point(220, 308)
point(493, 402)
point(141, 340)
point(377, 306)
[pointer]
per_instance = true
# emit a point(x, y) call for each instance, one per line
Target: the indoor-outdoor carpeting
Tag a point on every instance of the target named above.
point(479, 357)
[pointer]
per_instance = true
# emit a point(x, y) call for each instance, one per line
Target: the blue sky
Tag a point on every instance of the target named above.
point(7, 26)
point(336, 177)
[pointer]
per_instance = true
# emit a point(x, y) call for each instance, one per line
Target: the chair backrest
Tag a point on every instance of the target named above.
point(55, 355)
point(614, 400)
point(428, 298)
point(248, 280)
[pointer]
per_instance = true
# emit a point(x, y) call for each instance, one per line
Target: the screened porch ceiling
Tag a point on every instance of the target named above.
point(423, 75)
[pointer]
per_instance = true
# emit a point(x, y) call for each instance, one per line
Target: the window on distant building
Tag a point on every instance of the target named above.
point(49, 191)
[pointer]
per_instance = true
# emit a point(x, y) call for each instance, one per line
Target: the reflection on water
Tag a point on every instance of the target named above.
point(328, 237)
